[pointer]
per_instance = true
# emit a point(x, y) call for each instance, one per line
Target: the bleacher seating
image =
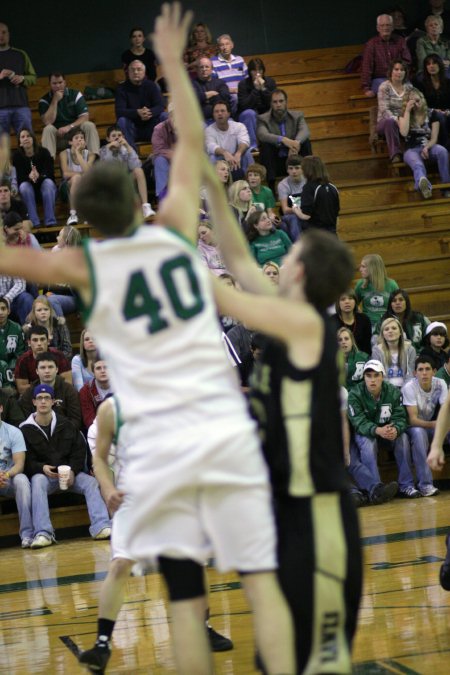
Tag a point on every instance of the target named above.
point(380, 212)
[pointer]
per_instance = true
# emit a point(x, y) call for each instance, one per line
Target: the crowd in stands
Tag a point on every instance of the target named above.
point(397, 362)
point(413, 100)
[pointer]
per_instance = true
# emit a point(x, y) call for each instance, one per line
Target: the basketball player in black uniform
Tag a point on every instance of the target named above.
point(295, 398)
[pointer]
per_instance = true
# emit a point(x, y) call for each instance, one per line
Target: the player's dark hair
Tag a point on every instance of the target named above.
point(5, 182)
point(329, 267)
point(105, 198)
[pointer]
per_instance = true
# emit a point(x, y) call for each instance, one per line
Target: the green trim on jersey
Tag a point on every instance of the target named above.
point(181, 236)
point(86, 310)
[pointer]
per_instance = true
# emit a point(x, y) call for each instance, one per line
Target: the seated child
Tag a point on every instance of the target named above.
point(118, 150)
point(289, 194)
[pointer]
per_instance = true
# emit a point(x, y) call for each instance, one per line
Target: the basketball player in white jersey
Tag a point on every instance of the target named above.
point(107, 440)
point(195, 478)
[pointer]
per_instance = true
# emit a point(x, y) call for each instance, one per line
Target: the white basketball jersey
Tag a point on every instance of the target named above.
point(154, 320)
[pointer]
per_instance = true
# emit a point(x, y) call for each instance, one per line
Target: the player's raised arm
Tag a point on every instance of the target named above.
point(232, 242)
point(44, 267)
point(436, 457)
point(180, 208)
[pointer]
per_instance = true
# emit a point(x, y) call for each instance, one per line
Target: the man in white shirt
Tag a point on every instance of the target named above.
point(422, 397)
point(229, 140)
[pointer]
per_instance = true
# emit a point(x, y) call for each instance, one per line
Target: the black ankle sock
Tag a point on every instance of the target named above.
point(105, 627)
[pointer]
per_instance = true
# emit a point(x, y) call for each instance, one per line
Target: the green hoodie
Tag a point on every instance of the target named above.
point(366, 413)
point(355, 366)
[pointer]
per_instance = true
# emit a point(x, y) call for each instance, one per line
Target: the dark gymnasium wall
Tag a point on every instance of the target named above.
point(91, 34)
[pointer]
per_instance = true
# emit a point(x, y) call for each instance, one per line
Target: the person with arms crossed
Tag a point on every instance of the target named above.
point(209, 468)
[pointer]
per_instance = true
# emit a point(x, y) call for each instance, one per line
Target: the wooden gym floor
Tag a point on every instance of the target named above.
point(48, 604)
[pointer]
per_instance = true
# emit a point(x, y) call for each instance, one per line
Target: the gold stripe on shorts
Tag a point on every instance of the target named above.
point(329, 651)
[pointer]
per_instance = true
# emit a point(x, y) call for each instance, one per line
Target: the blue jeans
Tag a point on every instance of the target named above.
point(365, 475)
point(21, 306)
point(161, 167)
point(86, 485)
point(414, 160)
point(249, 118)
point(48, 192)
point(292, 225)
point(17, 118)
point(139, 132)
point(63, 304)
point(19, 488)
point(420, 444)
point(368, 453)
point(246, 160)
point(375, 84)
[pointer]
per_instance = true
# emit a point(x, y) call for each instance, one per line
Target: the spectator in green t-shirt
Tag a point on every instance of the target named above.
point(61, 110)
point(375, 287)
point(266, 242)
point(12, 344)
point(444, 372)
point(262, 196)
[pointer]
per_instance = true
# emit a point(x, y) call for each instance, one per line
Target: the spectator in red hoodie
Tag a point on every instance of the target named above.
point(94, 392)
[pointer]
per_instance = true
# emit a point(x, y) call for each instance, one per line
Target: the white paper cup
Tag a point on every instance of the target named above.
point(63, 475)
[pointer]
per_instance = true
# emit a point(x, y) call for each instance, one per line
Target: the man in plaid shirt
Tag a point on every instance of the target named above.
point(379, 51)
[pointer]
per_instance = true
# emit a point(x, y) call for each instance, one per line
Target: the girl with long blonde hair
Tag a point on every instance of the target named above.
point(395, 353)
point(420, 129)
point(374, 288)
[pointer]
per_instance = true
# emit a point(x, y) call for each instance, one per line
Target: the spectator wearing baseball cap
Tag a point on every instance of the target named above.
point(435, 343)
point(65, 397)
point(51, 441)
point(379, 420)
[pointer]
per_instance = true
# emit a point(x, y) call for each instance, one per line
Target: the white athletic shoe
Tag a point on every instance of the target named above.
point(73, 218)
point(41, 541)
point(429, 491)
point(147, 210)
point(104, 533)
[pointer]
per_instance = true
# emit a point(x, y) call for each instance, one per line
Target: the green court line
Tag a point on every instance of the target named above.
point(404, 536)
point(99, 576)
point(384, 667)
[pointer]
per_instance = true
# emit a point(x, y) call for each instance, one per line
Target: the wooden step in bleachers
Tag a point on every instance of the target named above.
point(376, 215)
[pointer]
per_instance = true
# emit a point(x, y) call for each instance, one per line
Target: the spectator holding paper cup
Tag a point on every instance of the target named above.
point(56, 459)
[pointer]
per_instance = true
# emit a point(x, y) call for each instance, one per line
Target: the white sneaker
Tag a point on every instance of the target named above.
point(147, 210)
point(425, 187)
point(73, 218)
point(429, 491)
point(104, 533)
point(41, 541)
point(26, 542)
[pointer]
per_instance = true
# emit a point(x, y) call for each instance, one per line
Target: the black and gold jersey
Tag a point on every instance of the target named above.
point(299, 418)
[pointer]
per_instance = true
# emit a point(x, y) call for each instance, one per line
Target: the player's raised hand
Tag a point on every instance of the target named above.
point(171, 32)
